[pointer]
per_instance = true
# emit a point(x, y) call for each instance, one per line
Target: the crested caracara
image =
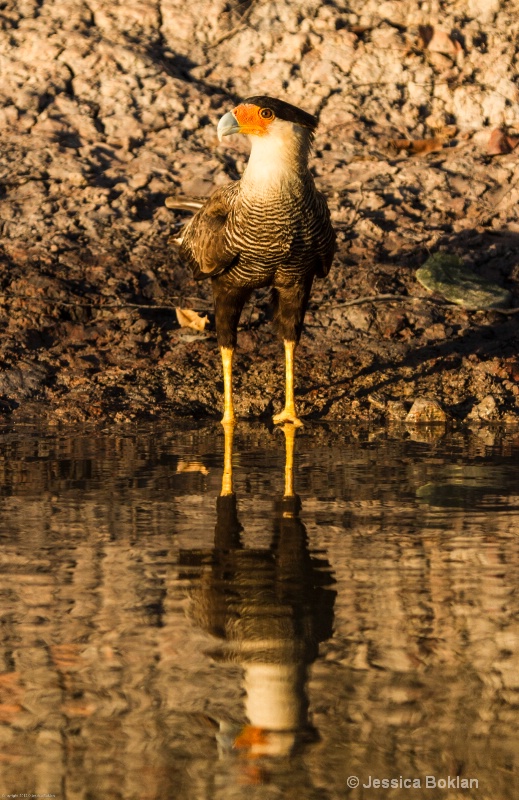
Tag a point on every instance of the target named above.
point(270, 228)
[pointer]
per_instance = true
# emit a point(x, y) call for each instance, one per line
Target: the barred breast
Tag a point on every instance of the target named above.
point(282, 235)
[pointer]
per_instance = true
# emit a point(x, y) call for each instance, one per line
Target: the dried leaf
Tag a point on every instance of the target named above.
point(501, 143)
point(418, 147)
point(192, 466)
point(438, 41)
point(187, 318)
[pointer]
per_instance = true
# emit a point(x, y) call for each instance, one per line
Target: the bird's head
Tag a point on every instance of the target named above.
point(281, 136)
point(266, 116)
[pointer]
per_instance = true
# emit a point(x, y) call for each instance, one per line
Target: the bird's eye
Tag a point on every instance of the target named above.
point(266, 113)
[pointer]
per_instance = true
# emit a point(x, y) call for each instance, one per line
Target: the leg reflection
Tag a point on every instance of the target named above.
point(290, 440)
point(270, 608)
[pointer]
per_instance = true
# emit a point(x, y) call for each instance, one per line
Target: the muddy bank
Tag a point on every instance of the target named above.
point(107, 109)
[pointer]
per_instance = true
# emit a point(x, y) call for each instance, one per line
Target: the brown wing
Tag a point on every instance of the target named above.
point(325, 245)
point(206, 244)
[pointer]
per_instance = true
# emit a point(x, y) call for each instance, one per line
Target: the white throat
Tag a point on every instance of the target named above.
point(279, 157)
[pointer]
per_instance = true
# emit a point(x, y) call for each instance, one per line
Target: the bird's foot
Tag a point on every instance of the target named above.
point(287, 415)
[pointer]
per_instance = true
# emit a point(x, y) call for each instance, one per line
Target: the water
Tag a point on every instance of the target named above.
point(177, 622)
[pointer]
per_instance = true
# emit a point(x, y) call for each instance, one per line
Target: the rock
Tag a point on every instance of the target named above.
point(485, 410)
point(483, 10)
point(446, 275)
point(359, 317)
point(435, 332)
point(426, 410)
point(396, 410)
point(390, 321)
point(21, 383)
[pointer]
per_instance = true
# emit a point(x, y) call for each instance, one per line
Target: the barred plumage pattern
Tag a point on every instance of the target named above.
point(285, 237)
point(262, 239)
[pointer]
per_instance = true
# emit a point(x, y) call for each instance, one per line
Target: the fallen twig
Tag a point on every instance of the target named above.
point(234, 30)
point(377, 298)
point(102, 307)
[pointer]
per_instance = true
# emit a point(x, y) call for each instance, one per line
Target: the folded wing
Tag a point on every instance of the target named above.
point(207, 244)
point(325, 245)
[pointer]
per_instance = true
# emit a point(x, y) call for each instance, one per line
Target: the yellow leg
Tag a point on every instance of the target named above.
point(228, 406)
point(227, 486)
point(289, 412)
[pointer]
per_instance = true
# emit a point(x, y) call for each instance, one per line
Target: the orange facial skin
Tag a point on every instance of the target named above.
point(252, 119)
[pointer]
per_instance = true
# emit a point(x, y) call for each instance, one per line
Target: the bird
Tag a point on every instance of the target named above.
point(270, 228)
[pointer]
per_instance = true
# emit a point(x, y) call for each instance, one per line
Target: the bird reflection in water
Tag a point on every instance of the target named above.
point(271, 607)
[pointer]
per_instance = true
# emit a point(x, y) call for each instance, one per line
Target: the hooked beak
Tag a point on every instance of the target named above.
point(227, 125)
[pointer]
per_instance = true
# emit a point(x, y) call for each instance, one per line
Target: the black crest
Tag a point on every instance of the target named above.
point(284, 110)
